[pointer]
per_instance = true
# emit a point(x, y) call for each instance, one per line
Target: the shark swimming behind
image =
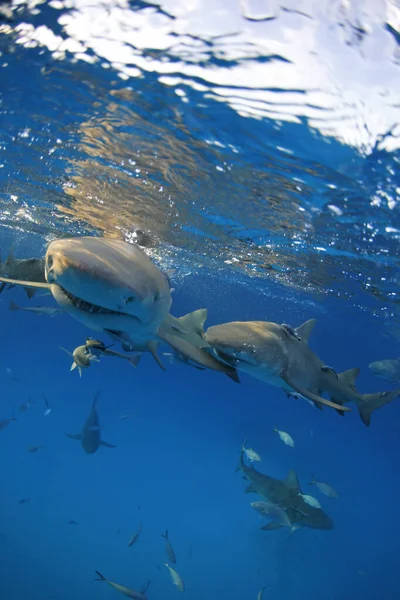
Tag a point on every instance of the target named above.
point(280, 355)
point(285, 494)
point(90, 435)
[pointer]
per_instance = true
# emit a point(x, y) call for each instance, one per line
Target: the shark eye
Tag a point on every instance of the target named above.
point(49, 261)
point(156, 297)
point(130, 300)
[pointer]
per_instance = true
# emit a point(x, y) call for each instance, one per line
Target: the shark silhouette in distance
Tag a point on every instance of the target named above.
point(90, 435)
point(285, 494)
point(280, 355)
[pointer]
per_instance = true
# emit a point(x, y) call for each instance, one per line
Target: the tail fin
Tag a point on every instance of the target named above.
point(30, 292)
point(100, 577)
point(13, 306)
point(371, 402)
point(134, 360)
point(165, 536)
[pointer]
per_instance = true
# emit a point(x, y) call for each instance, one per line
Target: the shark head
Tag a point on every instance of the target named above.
point(253, 343)
point(109, 285)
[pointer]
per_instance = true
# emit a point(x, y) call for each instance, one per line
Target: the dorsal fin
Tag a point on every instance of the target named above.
point(349, 377)
point(292, 482)
point(304, 331)
point(10, 258)
point(194, 321)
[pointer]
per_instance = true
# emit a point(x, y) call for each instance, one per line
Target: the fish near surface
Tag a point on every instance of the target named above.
point(280, 355)
point(285, 494)
point(90, 437)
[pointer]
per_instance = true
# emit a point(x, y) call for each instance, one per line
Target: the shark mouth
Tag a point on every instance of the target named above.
point(93, 309)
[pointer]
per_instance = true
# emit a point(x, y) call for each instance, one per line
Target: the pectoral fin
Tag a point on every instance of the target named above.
point(106, 444)
point(314, 397)
point(153, 347)
point(27, 284)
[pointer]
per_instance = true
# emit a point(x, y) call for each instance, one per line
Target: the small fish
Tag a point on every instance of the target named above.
point(285, 437)
point(251, 454)
point(267, 509)
point(47, 406)
point(5, 422)
point(24, 407)
point(168, 548)
point(33, 449)
point(135, 536)
point(324, 488)
point(39, 310)
point(82, 358)
point(23, 501)
point(126, 417)
point(260, 594)
point(11, 375)
point(124, 590)
point(176, 579)
point(310, 500)
point(72, 522)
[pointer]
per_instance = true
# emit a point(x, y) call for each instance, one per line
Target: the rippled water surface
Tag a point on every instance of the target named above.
point(248, 136)
point(252, 148)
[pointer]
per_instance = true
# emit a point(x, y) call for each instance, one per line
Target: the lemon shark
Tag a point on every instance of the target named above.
point(285, 494)
point(31, 269)
point(89, 436)
point(112, 286)
point(280, 355)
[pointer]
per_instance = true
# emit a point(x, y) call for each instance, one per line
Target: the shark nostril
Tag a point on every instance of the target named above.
point(49, 261)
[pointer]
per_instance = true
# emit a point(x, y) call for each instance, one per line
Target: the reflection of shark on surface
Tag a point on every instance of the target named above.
point(279, 355)
point(285, 494)
point(90, 437)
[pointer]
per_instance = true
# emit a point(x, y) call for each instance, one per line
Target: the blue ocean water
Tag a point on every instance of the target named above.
point(265, 195)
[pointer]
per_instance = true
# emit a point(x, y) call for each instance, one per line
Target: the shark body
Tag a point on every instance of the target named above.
point(285, 494)
point(280, 355)
point(90, 436)
point(27, 269)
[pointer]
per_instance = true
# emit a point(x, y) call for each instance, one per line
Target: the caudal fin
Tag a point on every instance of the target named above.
point(100, 577)
point(13, 306)
point(371, 402)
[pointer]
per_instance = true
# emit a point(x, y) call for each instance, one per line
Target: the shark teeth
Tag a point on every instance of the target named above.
point(87, 306)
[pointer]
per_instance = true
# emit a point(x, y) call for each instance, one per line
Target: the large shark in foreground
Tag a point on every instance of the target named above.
point(280, 355)
point(90, 436)
point(113, 287)
point(285, 494)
